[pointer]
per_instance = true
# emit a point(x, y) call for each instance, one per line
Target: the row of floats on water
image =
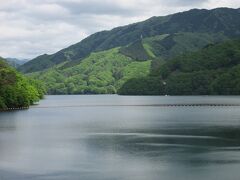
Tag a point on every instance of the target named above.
point(13, 109)
point(156, 105)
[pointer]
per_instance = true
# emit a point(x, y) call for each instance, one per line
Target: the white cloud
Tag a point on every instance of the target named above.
point(33, 27)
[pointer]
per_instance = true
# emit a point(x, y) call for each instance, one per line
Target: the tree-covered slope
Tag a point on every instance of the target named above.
point(222, 20)
point(100, 73)
point(170, 45)
point(214, 70)
point(164, 47)
point(136, 51)
point(16, 90)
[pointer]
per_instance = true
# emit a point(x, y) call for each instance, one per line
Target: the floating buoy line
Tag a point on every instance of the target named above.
point(123, 105)
point(14, 109)
point(138, 105)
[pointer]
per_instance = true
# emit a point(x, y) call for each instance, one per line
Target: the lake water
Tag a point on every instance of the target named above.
point(109, 137)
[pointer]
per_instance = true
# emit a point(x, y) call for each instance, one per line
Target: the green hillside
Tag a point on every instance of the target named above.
point(105, 71)
point(129, 59)
point(16, 90)
point(222, 20)
point(170, 45)
point(100, 73)
point(136, 51)
point(165, 47)
point(214, 70)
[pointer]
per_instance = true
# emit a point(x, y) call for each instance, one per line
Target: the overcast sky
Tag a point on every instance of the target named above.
point(33, 27)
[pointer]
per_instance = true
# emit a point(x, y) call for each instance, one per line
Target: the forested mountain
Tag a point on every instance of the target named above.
point(14, 62)
point(221, 20)
point(214, 70)
point(133, 54)
point(104, 72)
point(16, 90)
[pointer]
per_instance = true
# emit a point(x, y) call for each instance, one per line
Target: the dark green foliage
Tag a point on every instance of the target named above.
point(168, 42)
point(135, 51)
point(16, 90)
point(37, 64)
point(227, 82)
point(222, 55)
point(168, 46)
point(215, 70)
point(222, 20)
point(196, 83)
point(143, 86)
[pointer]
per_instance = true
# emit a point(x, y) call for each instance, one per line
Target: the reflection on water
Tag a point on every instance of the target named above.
point(121, 142)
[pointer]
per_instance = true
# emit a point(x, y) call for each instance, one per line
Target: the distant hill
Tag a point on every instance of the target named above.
point(214, 70)
point(104, 72)
point(221, 20)
point(14, 62)
point(113, 61)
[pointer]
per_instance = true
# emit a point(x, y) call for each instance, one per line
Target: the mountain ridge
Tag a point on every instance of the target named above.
point(217, 20)
point(16, 62)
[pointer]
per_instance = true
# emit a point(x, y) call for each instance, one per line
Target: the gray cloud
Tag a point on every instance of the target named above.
point(187, 2)
point(33, 27)
point(98, 8)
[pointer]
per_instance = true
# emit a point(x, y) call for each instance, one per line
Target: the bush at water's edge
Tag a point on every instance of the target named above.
point(16, 90)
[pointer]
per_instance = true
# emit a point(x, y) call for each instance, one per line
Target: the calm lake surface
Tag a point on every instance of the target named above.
point(100, 138)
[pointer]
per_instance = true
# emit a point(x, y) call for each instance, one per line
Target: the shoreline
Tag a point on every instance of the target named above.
point(13, 109)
